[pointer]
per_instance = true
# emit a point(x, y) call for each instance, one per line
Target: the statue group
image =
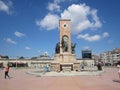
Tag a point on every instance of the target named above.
point(64, 47)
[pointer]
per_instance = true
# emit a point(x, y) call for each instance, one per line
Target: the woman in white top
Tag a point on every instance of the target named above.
point(118, 70)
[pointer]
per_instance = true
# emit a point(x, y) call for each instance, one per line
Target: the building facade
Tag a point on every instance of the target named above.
point(86, 54)
point(96, 58)
point(110, 57)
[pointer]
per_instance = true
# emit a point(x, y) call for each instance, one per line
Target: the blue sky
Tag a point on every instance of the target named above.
point(30, 27)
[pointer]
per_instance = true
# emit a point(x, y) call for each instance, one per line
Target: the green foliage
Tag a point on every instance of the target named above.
point(21, 57)
point(34, 58)
point(5, 57)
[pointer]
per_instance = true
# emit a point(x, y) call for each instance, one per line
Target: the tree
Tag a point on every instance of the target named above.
point(34, 58)
point(6, 57)
point(21, 57)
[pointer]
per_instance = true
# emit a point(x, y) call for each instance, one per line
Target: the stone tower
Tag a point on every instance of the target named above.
point(64, 27)
point(65, 51)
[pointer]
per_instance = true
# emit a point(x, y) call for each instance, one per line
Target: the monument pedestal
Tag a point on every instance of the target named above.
point(65, 58)
point(76, 66)
point(55, 66)
point(66, 62)
point(66, 67)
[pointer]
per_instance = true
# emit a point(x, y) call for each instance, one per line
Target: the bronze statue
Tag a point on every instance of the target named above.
point(57, 49)
point(73, 48)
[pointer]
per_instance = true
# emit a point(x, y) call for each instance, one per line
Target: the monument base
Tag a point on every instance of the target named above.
point(55, 66)
point(65, 58)
point(66, 66)
point(66, 62)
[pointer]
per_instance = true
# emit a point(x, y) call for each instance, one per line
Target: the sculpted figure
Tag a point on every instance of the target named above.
point(73, 48)
point(64, 43)
point(57, 49)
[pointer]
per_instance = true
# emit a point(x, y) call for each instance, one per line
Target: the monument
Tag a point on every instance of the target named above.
point(65, 58)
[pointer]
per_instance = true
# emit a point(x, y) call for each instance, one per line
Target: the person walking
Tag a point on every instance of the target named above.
point(118, 70)
point(99, 66)
point(7, 71)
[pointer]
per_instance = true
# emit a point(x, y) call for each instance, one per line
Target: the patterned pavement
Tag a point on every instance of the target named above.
point(22, 81)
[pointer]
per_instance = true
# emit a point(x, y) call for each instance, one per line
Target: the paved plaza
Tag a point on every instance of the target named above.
point(22, 81)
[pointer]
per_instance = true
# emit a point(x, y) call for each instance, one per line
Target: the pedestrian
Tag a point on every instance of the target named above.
point(82, 65)
point(118, 70)
point(7, 71)
point(99, 66)
point(47, 68)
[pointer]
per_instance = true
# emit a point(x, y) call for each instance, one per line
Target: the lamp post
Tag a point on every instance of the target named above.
point(16, 61)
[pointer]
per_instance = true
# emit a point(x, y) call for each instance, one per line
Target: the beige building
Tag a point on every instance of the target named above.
point(96, 58)
point(110, 57)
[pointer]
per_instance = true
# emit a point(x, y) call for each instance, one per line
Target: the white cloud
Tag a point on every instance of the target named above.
point(6, 7)
point(82, 17)
point(94, 37)
point(9, 40)
point(27, 48)
point(89, 38)
point(86, 47)
point(50, 22)
point(105, 34)
point(18, 34)
point(54, 6)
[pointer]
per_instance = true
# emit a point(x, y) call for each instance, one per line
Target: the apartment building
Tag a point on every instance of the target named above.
point(110, 57)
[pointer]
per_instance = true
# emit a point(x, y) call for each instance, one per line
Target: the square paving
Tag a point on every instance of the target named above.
point(22, 81)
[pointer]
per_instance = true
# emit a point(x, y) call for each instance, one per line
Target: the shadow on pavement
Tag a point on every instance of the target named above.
point(118, 81)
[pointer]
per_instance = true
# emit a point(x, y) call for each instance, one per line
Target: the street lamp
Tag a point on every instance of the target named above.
point(16, 61)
